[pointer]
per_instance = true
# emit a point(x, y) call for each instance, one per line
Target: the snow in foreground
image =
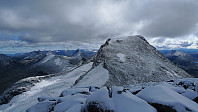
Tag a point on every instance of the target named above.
point(50, 87)
point(174, 96)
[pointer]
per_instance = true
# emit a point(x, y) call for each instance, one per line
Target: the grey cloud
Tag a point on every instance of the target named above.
point(159, 40)
point(55, 20)
point(40, 21)
point(170, 18)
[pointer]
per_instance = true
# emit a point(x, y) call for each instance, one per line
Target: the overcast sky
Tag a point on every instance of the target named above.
point(64, 24)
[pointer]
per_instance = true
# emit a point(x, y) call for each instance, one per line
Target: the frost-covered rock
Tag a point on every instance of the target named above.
point(188, 83)
point(42, 107)
point(116, 100)
point(145, 97)
point(133, 60)
point(73, 91)
point(160, 96)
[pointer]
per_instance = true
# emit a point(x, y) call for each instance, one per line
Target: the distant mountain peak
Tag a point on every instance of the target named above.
point(183, 60)
point(179, 54)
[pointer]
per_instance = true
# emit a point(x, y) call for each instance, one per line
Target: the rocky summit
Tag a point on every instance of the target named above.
point(132, 60)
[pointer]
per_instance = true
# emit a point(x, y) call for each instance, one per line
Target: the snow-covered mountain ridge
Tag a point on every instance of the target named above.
point(45, 86)
point(180, 55)
point(184, 61)
point(133, 60)
point(38, 63)
point(49, 66)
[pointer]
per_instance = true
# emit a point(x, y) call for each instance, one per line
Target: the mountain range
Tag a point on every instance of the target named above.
point(125, 75)
point(38, 63)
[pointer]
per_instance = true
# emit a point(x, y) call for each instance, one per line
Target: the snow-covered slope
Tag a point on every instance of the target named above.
point(179, 54)
point(84, 53)
point(133, 60)
point(53, 63)
point(96, 77)
point(172, 96)
point(164, 95)
point(51, 87)
point(34, 64)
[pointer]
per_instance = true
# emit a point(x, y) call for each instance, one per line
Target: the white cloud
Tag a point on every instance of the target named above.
point(189, 42)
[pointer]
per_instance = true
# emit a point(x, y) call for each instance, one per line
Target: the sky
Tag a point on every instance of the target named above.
point(27, 25)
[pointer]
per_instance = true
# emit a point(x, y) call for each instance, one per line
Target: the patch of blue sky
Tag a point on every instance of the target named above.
point(7, 37)
point(14, 50)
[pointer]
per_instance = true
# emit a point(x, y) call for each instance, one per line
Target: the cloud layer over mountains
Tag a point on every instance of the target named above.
point(40, 21)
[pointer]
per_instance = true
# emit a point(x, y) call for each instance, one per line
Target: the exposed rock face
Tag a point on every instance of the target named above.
point(133, 60)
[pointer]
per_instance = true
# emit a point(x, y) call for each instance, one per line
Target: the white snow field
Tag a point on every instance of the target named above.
point(58, 61)
point(121, 56)
point(48, 57)
point(145, 97)
point(96, 77)
point(50, 87)
point(166, 96)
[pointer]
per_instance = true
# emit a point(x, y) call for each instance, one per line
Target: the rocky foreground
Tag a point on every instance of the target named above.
point(173, 96)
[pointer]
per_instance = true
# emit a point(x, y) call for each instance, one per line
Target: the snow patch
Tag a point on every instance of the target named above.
point(96, 77)
point(163, 95)
point(58, 61)
point(121, 56)
point(49, 57)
